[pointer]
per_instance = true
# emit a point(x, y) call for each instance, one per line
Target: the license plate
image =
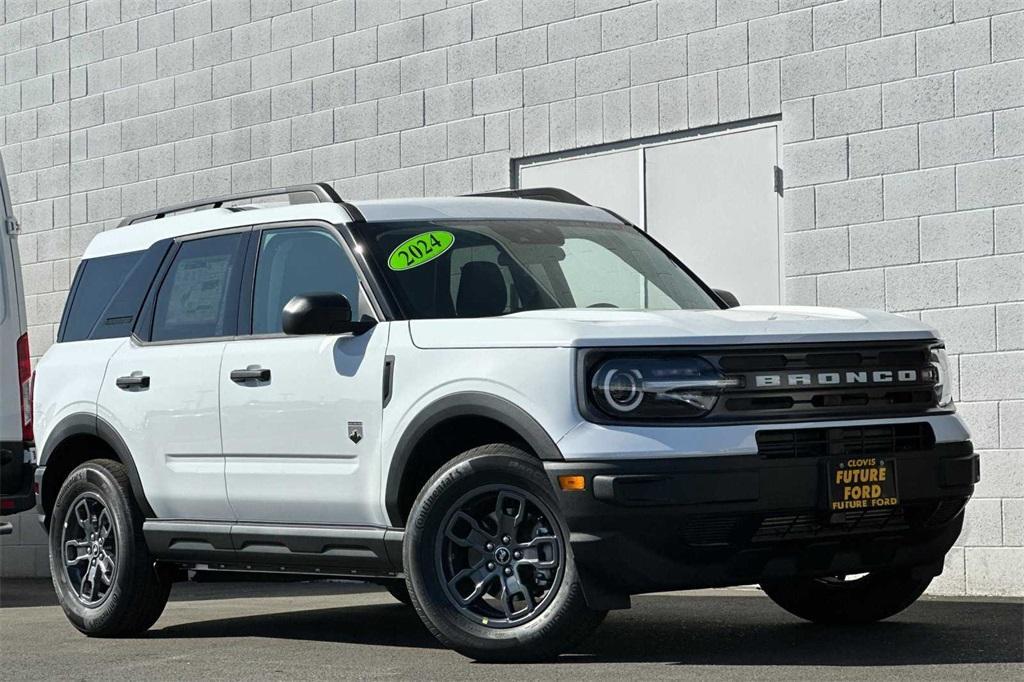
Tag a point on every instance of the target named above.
point(859, 483)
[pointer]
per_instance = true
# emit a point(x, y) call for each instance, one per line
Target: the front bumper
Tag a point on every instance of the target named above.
point(655, 525)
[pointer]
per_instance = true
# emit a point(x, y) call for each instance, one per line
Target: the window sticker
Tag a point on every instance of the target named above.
point(422, 248)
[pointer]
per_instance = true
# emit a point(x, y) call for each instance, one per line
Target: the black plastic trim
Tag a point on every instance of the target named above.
point(467, 404)
point(389, 378)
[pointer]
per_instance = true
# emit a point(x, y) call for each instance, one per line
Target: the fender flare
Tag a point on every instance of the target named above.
point(82, 423)
point(465, 404)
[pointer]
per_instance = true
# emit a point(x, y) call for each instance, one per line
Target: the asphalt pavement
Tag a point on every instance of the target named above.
point(336, 630)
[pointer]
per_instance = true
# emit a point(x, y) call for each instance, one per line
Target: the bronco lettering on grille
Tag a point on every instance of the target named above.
point(865, 377)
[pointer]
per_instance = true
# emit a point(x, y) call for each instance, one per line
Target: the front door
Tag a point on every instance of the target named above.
point(301, 433)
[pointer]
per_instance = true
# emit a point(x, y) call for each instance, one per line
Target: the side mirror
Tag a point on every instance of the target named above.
point(728, 298)
point(321, 313)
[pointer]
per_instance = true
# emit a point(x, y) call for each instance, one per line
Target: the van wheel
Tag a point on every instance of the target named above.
point(105, 579)
point(488, 563)
point(839, 600)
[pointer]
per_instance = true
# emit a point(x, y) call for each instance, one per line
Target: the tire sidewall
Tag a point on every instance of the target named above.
point(462, 476)
point(94, 478)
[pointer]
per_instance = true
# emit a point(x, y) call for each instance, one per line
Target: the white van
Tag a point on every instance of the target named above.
point(16, 452)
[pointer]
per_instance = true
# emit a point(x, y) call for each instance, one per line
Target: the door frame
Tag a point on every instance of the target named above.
point(644, 143)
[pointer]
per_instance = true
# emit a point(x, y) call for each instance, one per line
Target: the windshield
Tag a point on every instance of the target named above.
point(473, 268)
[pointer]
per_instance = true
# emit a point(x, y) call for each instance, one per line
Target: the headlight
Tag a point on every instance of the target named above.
point(943, 385)
point(637, 387)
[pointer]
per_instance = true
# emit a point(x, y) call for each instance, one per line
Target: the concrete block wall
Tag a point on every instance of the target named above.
point(902, 127)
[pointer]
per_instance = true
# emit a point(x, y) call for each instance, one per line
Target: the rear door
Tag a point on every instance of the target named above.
point(160, 391)
point(301, 438)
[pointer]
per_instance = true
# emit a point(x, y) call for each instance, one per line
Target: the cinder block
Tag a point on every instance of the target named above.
point(374, 12)
point(956, 140)
point(522, 49)
point(629, 26)
point(765, 88)
point(466, 137)
point(732, 11)
point(291, 99)
point(733, 94)
point(231, 78)
point(400, 112)
point(993, 376)
point(1009, 222)
point(1013, 523)
point(1002, 470)
point(846, 22)
point(120, 39)
point(154, 30)
point(250, 108)
point(881, 60)
point(291, 169)
point(856, 289)
point(849, 111)
point(1007, 36)
point(448, 178)
point(495, 132)
point(717, 48)
point(193, 154)
point(355, 49)
point(536, 130)
point(799, 209)
point(615, 108)
point(590, 119)
point(231, 147)
point(562, 123)
point(549, 83)
point(121, 169)
point(449, 27)
point(312, 130)
point(678, 17)
point(472, 60)
point(798, 120)
point(249, 40)
point(892, 242)
point(313, 59)
point(884, 151)
point(250, 175)
point(953, 580)
point(174, 59)
point(972, 9)
point(229, 13)
point(920, 193)
point(916, 287)
point(657, 61)
point(497, 93)
point(334, 161)
point(53, 57)
point(577, 38)
point(990, 183)
point(492, 17)
point(983, 524)
point(818, 161)
point(1009, 132)
point(490, 171)
point(917, 100)
point(813, 73)
point(780, 35)
point(400, 39)
point(1011, 416)
point(192, 20)
point(986, 88)
point(537, 12)
point(1010, 326)
point(643, 110)
point(422, 145)
point(702, 99)
point(801, 291)
point(956, 235)
point(899, 16)
point(155, 162)
point(291, 29)
point(375, 81)
point(996, 279)
point(193, 87)
point(817, 251)
point(982, 417)
point(210, 49)
point(424, 70)
point(953, 47)
point(602, 72)
point(106, 75)
point(404, 182)
point(970, 330)
point(995, 571)
point(448, 102)
point(271, 139)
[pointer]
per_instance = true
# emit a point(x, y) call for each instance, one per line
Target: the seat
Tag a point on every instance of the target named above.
point(482, 290)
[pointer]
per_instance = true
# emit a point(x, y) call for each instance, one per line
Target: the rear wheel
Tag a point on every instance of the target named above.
point(846, 599)
point(487, 560)
point(104, 577)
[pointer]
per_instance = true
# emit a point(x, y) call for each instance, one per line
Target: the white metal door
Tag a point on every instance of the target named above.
point(711, 200)
point(607, 179)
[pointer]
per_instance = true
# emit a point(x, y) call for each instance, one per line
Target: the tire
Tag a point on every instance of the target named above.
point(533, 613)
point(126, 593)
point(867, 599)
point(399, 591)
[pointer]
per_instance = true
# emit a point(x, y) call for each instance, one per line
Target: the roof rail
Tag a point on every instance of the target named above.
point(538, 193)
point(314, 193)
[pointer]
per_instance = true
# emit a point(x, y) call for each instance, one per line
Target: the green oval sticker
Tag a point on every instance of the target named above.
point(422, 248)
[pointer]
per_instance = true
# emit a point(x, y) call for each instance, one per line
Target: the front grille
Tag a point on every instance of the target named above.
point(798, 526)
point(826, 381)
point(883, 439)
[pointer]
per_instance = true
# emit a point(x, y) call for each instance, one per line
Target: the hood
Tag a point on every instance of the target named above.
point(608, 327)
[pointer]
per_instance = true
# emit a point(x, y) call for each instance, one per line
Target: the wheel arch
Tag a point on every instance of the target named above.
point(459, 409)
point(76, 439)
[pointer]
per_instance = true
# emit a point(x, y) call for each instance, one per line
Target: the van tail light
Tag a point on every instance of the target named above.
point(25, 381)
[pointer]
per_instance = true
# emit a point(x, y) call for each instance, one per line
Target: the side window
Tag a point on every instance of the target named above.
point(98, 280)
point(294, 261)
point(199, 296)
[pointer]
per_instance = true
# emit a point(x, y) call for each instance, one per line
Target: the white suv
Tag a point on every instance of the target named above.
point(514, 410)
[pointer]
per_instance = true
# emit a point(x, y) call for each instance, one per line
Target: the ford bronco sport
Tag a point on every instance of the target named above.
point(515, 411)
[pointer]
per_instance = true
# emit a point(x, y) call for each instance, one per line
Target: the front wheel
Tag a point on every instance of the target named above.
point(102, 571)
point(488, 563)
point(845, 600)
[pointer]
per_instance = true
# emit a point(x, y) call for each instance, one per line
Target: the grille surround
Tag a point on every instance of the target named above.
point(846, 441)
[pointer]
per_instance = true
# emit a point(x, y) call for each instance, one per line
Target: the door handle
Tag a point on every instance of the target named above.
point(250, 373)
point(132, 381)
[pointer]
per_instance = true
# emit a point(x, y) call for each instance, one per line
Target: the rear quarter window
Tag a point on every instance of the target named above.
point(98, 280)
